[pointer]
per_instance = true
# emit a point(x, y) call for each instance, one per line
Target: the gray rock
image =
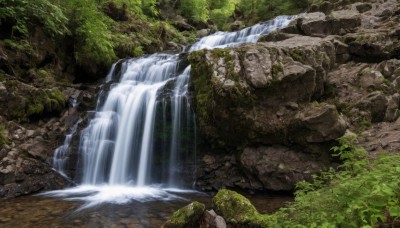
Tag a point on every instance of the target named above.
point(362, 7)
point(338, 22)
point(318, 123)
point(257, 64)
point(278, 167)
point(392, 111)
point(376, 103)
point(202, 33)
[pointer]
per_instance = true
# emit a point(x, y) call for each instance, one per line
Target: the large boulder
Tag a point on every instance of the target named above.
point(320, 25)
point(237, 210)
point(259, 88)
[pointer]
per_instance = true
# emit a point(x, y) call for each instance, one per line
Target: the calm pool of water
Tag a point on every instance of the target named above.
point(40, 211)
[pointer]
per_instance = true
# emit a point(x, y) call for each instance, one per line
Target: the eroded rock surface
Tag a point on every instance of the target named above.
point(25, 159)
point(279, 105)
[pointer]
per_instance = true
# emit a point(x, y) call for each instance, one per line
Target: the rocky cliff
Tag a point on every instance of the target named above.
point(270, 111)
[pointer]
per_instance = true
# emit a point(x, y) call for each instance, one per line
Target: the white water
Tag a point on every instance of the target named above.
point(124, 157)
point(61, 154)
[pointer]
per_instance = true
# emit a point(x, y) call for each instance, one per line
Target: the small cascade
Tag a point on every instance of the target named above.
point(143, 129)
point(61, 154)
point(247, 35)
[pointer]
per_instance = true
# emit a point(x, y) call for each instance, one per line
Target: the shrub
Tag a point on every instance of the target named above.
point(365, 193)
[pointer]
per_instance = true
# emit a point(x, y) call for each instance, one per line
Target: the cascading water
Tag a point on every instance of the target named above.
point(61, 154)
point(143, 127)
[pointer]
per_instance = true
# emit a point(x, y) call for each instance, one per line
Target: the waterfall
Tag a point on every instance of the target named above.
point(61, 153)
point(144, 126)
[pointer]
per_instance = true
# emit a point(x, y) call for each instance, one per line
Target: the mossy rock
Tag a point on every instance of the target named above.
point(25, 101)
point(188, 216)
point(237, 210)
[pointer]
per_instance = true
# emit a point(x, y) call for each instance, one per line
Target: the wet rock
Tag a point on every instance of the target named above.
point(275, 36)
point(188, 216)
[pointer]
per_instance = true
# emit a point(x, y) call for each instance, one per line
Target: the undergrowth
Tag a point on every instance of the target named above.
point(364, 193)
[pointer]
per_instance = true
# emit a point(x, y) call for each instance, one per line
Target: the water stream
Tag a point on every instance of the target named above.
point(144, 128)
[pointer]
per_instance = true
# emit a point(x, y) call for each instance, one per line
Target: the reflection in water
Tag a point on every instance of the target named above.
point(37, 211)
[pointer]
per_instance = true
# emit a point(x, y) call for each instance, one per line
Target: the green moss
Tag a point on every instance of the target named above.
point(226, 55)
point(215, 99)
point(276, 69)
point(188, 216)
point(27, 101)
point(201, 76)
point(237, 210)
point(3, 76)
point(3, 136)
point(297, 55)
point(41, 77)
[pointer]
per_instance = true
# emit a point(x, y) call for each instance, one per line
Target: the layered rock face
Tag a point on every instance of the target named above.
point(25, 159)
point(279, 105)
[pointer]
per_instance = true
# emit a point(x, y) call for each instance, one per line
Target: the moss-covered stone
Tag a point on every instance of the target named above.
point(40, 77)
point(25, 101)
point(237, 210)
point(188, 216)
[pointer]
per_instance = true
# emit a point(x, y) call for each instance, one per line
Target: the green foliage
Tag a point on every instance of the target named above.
point(149, 7)
point(258, 10)
point(196, 10)
point(91, 31)
point(23, 13)
point(221, 11)
point(365, 193)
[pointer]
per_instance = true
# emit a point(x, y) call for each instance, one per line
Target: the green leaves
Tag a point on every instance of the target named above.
point(91, 31)
point(28, 12)
point(196, 10)
point(365, 193)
